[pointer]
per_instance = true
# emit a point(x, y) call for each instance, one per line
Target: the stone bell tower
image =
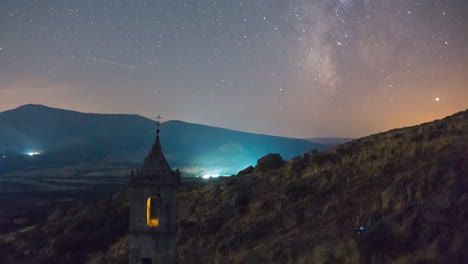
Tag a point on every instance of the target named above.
point(152, 201)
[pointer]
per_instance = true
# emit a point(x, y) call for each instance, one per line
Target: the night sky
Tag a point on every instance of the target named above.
point(290, 68)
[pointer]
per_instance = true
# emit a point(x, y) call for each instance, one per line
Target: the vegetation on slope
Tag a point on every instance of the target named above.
point(407, 188)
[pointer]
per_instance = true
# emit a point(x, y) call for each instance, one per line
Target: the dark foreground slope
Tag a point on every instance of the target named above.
point(408, 188)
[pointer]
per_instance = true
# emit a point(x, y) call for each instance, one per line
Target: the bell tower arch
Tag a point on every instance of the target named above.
point(152, 194)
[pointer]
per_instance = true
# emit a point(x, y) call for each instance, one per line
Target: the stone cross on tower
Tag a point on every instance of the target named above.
point(158, 123)
point(152, 200)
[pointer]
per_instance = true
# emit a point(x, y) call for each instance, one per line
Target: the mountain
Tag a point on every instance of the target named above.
point(67, 137)
point(330, 141)
point(394, 197)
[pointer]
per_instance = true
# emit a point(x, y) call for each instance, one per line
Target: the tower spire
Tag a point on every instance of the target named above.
point(155, 165)
point(158, 124)
point(152, 196)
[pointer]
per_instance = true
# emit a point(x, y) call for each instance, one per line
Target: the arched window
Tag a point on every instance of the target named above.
point(152, 211)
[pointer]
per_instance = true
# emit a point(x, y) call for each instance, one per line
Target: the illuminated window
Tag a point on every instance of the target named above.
point(152, 211)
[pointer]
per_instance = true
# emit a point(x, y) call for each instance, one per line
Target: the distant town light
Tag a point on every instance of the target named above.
point(34, 153)
point(208, 176)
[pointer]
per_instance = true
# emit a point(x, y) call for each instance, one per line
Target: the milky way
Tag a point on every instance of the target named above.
point(292, 68)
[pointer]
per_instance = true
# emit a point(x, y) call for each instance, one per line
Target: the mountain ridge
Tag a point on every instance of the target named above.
point(30, 107)
point(105, 137)
point(330, 141)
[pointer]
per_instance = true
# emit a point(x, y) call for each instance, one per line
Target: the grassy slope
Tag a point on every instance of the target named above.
point(408, 187)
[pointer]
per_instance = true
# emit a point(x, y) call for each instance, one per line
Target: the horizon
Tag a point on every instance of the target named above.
point(233, 129)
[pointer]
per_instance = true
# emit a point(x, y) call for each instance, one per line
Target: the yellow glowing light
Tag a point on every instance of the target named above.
point(150, 221)
point(437, 99)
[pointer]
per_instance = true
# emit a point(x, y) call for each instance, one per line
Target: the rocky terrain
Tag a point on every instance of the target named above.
point(394, 197)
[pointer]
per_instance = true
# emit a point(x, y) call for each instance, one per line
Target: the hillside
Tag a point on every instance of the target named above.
point(407, 188)
point(68, 138)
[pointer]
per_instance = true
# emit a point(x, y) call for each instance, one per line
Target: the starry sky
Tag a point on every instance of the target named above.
point(301, 68)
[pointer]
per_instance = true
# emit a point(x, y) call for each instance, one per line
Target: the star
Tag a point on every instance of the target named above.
point(301, 51)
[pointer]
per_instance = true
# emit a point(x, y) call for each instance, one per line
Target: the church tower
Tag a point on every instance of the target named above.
point(152, 201)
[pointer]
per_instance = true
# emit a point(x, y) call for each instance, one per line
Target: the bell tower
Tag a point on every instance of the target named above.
point(152, 200)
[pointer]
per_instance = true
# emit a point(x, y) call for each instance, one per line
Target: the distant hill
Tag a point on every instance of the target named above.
point(330, 141)
point(394, 197)
point(68, 137)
